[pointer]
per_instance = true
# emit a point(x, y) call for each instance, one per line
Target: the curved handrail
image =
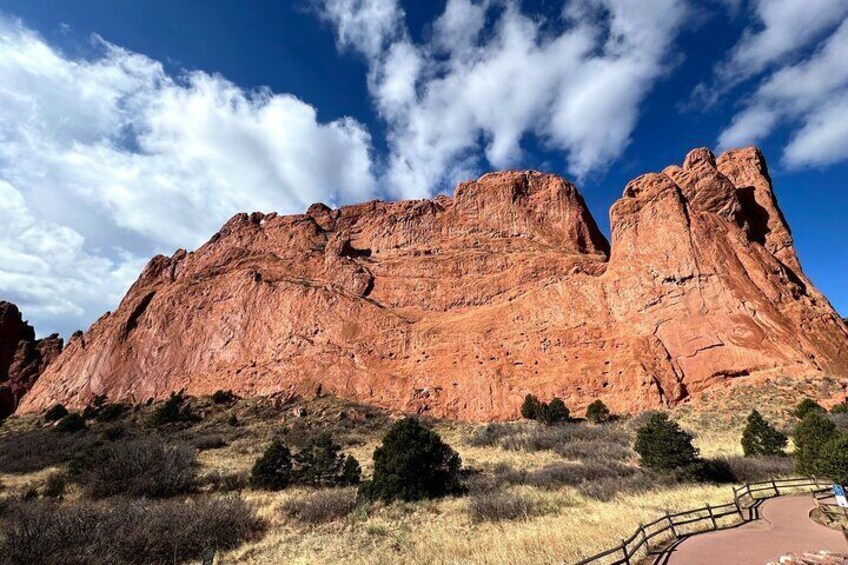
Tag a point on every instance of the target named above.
point(628, 550)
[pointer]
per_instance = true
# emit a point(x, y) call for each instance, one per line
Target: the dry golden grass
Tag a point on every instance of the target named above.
point(571, 526)
point(566, 526)
point(441, 532)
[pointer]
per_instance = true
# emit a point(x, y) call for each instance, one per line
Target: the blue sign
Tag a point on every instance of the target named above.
point(839, 495)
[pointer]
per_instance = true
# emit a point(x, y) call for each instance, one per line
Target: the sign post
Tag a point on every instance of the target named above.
point(839, 495)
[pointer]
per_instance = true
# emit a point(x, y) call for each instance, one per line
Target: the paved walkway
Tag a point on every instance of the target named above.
point(784, 527)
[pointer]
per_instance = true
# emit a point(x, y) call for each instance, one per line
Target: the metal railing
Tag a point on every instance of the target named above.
point(683, 524)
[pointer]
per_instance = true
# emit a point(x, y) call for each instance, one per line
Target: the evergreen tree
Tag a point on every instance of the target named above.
point(321, 463)
point(833, 460)
point(351, 472)
point(806, 406)
point(814, 431)
point(554, 412)
point(530, 407)
point(56, 412)
point(761, 438)
point(173, 410)
point(273, 470)
point(598, 412)
point(663, 446)
point(841, 408)
point(413, 463)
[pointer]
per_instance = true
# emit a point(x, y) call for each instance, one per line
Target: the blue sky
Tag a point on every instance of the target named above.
point(133, 130)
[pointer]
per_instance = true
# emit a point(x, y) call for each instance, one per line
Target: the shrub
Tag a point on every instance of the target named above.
point(663, 446)
point(111, 412)
point(233, 421)
point(607, 488)
point(413, 463)
point(55, 485)
point(716, 471)
point(56, 412)
point(841, 421)
point(142, 467)
point(490, 435)
point(841, 408)
point(805, 407)
point(833, 459)
point(273, 471)
point(321, 463)
point(172, 410)
point(114, 433)
point(94, 406)
point(320, 506)
point(222, 481)
point(597, 412)
point(597, 450)
point(530, 407)
point(755, 469)
point(500, 506)
point(554, 412)
point(572, 441)
point(124, 531)
point(814, 431)
point(40, 448)
point(224, 397)
point(761, 438)
point(351, 472)
point(209, 441)
point(71, 423)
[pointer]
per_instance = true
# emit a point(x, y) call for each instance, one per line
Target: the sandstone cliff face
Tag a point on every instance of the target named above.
point(22, 357)
point(460, 306)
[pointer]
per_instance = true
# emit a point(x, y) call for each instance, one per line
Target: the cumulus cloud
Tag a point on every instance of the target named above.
point(108, 160)
point(463, 92)
point(811, 96)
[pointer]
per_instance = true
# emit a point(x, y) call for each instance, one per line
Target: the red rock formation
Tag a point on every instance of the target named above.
point(460, 306)
point(22, 357)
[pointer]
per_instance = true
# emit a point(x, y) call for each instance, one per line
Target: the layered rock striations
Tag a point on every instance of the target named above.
point(22, 357)
point(458, 307)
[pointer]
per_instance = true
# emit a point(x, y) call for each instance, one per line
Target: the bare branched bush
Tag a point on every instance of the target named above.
point(320, 506)
point(38, 449)
point(123, 531)
point(499, 506)
point(223, 481)
point(143, 467)
point(753, 469)
point(559, 438)
point(491, 435)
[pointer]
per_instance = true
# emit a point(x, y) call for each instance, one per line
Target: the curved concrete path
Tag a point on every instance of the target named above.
point(784, 527)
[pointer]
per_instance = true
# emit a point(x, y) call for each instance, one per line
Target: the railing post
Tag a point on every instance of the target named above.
point(644, 537)
point(739, 509)
point(712, 518)
point(624, 550)
point(671, 524)
point(774, 486)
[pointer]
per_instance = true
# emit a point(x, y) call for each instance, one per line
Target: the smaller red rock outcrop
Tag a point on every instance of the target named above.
point(22, 357)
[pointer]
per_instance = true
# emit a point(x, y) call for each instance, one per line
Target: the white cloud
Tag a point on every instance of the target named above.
point(578, 90)
point(810, 95)
point(108, 160)
point(46, 270)
point(783, 27)
point(364, 25)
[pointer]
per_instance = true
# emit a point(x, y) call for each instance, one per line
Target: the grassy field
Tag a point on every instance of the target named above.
point(535, 494)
